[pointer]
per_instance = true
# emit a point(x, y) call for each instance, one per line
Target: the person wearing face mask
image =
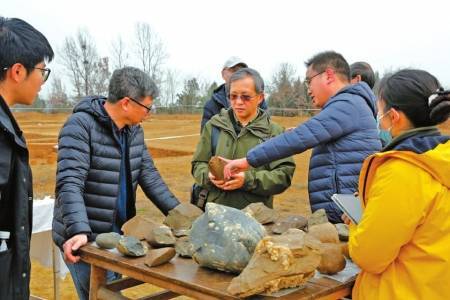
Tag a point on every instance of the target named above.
point(402, 243)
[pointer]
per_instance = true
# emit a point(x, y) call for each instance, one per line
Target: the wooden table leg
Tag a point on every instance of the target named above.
point(98, 279)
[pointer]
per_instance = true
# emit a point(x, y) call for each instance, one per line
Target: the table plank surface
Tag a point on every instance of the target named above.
point(184, 276)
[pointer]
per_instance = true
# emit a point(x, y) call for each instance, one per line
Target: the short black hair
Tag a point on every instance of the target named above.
point(330, 59)
point(409, 91)
point(21, 43)
point(365, 71)
point(247, 72)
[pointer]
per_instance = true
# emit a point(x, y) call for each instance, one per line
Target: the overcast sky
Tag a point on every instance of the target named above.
point(200, 35)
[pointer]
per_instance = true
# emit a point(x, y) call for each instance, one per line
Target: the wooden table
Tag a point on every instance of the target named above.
point(184, 277)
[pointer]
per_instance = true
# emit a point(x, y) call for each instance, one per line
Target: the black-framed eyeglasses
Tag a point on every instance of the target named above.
point(149, 108)
point(245, 98)
point(44, 71)
point(308, 80)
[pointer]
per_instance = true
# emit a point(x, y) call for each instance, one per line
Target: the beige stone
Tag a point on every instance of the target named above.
point(332, 259)
point(138, 226)
point(216, 166)
point(325, 232)
point(288, 260)
point(160, 256)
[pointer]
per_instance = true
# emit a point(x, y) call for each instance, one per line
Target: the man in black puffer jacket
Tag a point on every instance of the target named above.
point(102, 158)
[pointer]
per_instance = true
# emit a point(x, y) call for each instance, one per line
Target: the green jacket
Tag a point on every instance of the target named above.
point(260, 183)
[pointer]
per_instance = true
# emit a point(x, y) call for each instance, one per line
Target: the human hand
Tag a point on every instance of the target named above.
point(218, 183)
point(346, 219)
point(236, 182)
point(73, 244)
point(235, 166)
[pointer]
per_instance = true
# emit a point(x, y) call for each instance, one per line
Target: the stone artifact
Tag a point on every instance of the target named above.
point(224, 238)
point(138, 226)
point(342, 230)
point(283, 261)
point(181, 217)
point(332, 260)
point(283, 224)
point(216, 166)
point(131, 246)
point(325, 232)
point(318, 217)
point(184, 247)
point(160, 256)
point(107, 240)
point(160, 236)
point(261, 213)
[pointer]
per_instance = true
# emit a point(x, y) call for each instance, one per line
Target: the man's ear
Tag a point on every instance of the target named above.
point(260, 98)
point(331, 75)
point(124, 103)
point(17, 72)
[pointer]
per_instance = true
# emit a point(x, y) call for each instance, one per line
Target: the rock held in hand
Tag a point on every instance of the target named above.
point(216, 166)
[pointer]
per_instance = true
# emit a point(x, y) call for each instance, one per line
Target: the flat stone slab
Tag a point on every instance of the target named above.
point(224, 238)
point(293, 221)
point(181, 217)
point(160, 256)
point(138, 226)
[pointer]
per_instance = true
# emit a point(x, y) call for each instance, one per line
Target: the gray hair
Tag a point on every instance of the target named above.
point(131, 82)
point(247, 72)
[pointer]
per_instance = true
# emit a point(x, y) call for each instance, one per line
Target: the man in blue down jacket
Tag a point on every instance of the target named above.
point(342, 135)
point(102, 158)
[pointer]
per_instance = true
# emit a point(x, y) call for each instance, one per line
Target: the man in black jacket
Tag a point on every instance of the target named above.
point(102, 157)
point(23, 54)
point(219, 98)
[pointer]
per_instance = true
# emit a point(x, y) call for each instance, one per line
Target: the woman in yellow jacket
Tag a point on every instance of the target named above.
point(402, 243)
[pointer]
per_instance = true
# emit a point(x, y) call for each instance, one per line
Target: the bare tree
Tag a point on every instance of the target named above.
point(119, 53)
point(170, 86)
point(57, 96)
point(150, 51)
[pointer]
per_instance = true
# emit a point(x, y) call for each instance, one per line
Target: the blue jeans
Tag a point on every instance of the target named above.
point(81, 273)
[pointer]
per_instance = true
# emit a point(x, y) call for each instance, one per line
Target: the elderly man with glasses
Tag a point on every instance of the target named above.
point(341, 135)
point(231, 134)
point(102, 157)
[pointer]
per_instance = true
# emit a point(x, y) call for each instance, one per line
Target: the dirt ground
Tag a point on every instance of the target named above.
point(172, 158)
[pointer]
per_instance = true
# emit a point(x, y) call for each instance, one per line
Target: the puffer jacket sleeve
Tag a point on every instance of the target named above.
point(275, 179)
point(72, 170)
point(395, 207)
point(201, 158)
point(331, 123)
point(154, 186)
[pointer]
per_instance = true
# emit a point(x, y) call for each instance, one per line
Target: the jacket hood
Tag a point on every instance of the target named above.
point(363, 90)
point(93, 105)
point(220, 96)
point(425, 148)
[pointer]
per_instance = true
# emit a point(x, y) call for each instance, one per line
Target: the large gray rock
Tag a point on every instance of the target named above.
point(261, 213)
point(131, 246)
point(181, 217)
point(224, 238)
point(107, 240)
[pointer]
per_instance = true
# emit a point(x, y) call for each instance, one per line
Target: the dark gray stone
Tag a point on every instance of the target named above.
point(224, 238)
point(318, 217)
point(160, 236)
point(285, 223)
point(107, 240)
point(131, 246)
point(184, 247)
point(261, 213)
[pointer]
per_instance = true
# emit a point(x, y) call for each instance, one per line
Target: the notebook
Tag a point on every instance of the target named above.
point(350, 205)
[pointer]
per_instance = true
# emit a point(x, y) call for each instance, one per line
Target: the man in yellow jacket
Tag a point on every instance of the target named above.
point(402, 243)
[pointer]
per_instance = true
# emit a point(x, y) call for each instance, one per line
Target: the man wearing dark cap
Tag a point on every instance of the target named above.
point(219, 99)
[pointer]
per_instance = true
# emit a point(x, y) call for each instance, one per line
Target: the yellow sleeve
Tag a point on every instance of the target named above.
point(396, 205)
